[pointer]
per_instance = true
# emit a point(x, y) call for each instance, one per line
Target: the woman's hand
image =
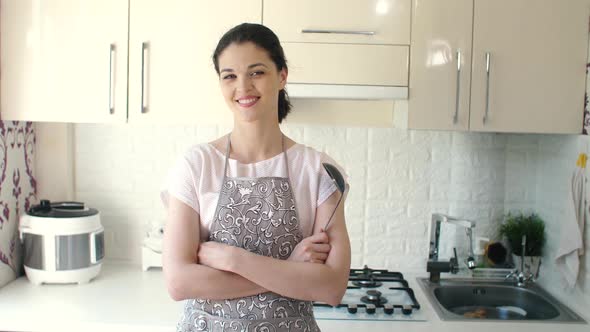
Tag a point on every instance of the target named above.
point(312, 249)
point(217, 255)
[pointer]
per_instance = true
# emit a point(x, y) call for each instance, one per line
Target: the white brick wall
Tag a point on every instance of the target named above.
point(539, 170)
point(398, 179)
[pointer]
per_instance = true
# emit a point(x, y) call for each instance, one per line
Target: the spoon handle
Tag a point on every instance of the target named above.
point(336, 207)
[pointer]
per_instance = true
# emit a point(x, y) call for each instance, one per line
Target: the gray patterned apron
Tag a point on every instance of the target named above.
point(259, 215)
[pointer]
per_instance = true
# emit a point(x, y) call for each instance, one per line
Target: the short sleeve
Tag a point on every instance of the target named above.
point(181, 184)
point(326, 185)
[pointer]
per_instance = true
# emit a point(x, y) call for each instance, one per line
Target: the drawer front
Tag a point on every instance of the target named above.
point(389, 20)
point(347, 64)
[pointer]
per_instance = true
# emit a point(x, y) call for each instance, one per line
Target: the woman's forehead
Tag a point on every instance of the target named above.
point(243, 54)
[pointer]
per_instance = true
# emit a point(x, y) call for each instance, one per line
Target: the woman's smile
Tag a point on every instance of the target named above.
point(247, 101)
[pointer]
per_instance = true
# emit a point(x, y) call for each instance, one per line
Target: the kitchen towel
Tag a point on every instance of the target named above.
point(571, 244)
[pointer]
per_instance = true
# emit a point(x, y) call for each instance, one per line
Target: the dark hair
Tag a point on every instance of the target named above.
point(264, 38)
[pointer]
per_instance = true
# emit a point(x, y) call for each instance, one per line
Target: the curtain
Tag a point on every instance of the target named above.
point(17, 192)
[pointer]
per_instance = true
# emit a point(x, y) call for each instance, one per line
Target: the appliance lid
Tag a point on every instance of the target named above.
point(47, 209)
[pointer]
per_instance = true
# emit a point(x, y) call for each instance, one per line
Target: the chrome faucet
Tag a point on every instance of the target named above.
point(523, 278)
point(434, 266)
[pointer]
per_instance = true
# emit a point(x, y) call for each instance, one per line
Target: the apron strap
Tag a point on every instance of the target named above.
point(226, 157)
point(285, 155)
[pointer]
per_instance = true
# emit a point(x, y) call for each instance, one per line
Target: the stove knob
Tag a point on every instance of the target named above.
point(388, 308)
point(352, 308)
point(407, 309)
point(370, 309)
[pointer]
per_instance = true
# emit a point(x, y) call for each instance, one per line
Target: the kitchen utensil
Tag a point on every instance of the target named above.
point(496, 253)
point(63, 242)
point(338, 179)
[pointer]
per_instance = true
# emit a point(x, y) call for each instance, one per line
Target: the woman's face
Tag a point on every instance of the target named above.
point(250, 82)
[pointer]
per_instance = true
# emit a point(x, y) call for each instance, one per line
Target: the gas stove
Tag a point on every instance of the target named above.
point(374, 295)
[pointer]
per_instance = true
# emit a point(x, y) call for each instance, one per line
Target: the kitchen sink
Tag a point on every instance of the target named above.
point(473, 300)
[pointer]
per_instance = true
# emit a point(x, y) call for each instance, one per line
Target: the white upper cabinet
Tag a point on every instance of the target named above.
point(536, 76)
point(526, 62)
point(337, 21)
point(354, 49)
point(171, 74)
point(63, 60)
point(477, 65)
point(440, 68)
point(66, 60)
point(356, 64)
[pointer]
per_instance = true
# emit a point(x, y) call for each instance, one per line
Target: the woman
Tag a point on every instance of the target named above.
point(244, 242)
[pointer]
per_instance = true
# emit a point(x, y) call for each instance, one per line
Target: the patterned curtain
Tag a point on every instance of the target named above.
point(17, 192)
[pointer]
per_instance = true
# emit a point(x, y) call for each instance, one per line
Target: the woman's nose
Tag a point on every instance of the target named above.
point(244, 83)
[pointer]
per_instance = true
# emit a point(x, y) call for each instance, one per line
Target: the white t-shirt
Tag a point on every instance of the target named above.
point(196, 178)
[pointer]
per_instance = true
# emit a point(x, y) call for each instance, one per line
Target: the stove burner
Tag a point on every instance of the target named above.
point(370, 283)
point(369, 296)
point(374, 297)
point(369, 274)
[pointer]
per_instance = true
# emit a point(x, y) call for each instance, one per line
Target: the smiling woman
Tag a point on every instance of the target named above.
point(244, 45)
point(251, 87)
point(244, 243)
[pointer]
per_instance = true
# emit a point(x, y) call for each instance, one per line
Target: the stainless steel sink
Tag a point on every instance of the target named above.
point(467, 299)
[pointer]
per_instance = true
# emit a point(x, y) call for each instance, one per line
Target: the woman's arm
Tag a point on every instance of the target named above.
point(184, 277)
point(306, 281)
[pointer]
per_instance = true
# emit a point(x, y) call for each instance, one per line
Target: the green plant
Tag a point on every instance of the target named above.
point(517, 225)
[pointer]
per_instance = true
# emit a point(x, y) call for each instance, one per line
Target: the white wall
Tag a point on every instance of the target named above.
point(398, 178)
point(539, 170)
point(54, 146)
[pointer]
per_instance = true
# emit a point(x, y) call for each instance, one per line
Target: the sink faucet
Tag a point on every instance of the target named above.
point(523, 278)
point(434, 266)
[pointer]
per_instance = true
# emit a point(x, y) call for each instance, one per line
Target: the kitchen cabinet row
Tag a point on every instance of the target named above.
point(479, 65)
point(499, 65)
point(145, 61)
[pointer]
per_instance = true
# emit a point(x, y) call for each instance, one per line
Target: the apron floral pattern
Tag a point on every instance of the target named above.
point(259, 215)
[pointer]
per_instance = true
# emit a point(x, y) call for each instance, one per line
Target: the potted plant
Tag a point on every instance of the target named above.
point(517, 225)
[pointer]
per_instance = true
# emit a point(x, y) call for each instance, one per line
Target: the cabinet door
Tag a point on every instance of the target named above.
point(385, 65)
point(535, 80)
point(337, 21)
point(440, 65)
point(64, 60)
point(171, 74)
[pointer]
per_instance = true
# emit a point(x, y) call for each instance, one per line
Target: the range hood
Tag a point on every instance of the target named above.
point(345, 91)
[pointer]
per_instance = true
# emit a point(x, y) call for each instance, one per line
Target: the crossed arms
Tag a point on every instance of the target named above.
point(317, 269)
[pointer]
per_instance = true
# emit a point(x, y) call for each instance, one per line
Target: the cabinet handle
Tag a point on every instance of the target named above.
point(144, 49)
point(488, 66)
point(342, 32)
point(456, 117)
point(112, 53)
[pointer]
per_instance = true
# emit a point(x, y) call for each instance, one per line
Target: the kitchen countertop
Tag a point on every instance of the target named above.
point(123, 298)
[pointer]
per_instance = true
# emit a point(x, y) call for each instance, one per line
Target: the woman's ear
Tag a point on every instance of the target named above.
point(283, 78)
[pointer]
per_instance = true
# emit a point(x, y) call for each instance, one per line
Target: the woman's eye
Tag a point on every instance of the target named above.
point(230, 76)
point(257, 73)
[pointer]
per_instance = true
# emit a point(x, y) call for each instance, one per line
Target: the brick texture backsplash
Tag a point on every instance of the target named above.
point(398, 179)
point(539, 171)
